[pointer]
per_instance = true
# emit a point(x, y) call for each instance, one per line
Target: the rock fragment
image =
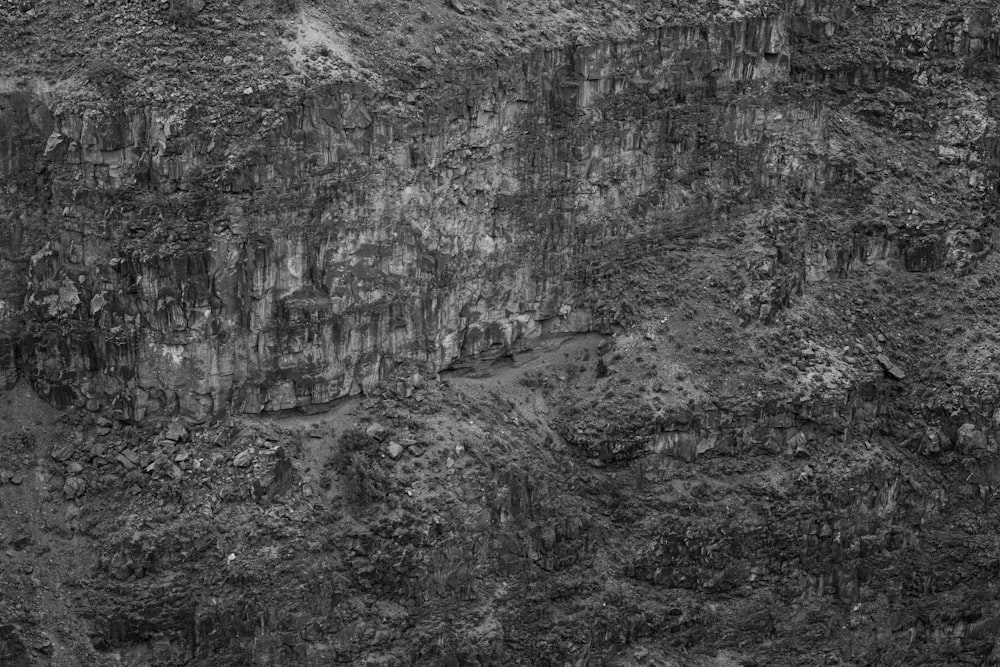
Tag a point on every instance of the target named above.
point(176, 432)
point(243, 459)
point(933, 442)
point(74, 487)
point(891, 369)
point(62, 453)
point(971, 439)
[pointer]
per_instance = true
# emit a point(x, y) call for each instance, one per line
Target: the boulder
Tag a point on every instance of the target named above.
point(934, 441)
point(971, 439)
point(176, 432)
point(74, 487)
point(63, 452)
point(243, 459)
point(890, 369)
point(377, 431)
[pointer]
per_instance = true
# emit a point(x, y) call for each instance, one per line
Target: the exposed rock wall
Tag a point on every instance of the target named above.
point(163, 263)
point(159, 269)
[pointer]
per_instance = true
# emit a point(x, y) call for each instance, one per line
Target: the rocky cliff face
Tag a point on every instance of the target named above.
point(162, 263)
point(674, 343)
point(155, 268)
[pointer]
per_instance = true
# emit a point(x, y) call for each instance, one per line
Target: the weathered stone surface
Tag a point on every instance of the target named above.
point(891, 369)
point(13, 651)
point(63, 452)
point(971, 440)
point(154, 263)
point(74, 487)
point(377, 431)
point(350, 238)
point(176, 432)
point(426, 242)
point(243, 459)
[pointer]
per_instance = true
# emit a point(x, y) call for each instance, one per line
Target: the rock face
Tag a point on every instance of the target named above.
point(786, 453)
point(158, 270)
point(158, 264)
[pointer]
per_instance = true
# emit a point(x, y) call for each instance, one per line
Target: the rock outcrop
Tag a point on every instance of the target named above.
point(162, 264)
point(159, 265)
point(676, 343)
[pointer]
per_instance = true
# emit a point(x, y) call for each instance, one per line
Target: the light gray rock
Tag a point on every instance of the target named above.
point(243, 459)
point(74, 487)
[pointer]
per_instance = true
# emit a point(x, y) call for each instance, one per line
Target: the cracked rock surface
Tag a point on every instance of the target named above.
point(499, 332)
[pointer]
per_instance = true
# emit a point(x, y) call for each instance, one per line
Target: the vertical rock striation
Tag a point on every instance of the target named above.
point(159, 263)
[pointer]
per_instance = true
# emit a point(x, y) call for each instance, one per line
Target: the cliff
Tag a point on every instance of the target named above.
point(584, 333)
point(162, 263)
point(158, 270)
